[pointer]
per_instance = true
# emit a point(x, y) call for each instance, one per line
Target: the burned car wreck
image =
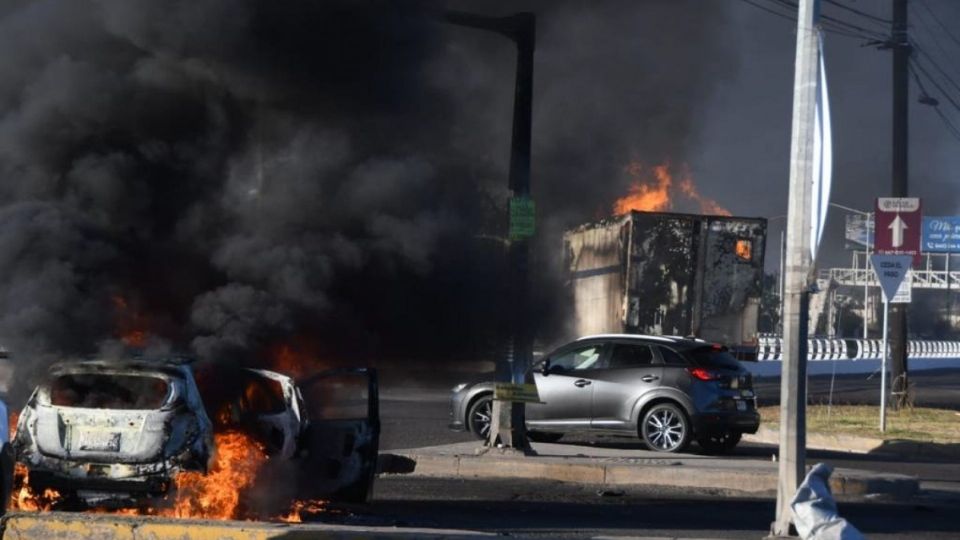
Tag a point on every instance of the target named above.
point(119, 432)
point(97, 429)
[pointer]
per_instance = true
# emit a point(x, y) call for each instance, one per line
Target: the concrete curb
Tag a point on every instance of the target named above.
point(69, 526)
point(904, 449)
point(755, 480)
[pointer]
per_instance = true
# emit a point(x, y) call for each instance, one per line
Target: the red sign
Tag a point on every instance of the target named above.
point(898, 224)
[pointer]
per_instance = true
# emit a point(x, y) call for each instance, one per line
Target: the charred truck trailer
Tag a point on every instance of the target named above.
point(669, 274)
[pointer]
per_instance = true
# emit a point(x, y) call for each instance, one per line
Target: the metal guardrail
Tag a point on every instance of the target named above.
point(770, 348)
point(919, 279)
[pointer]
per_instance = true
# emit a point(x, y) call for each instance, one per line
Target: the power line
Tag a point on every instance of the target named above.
point(846, 25)
point(946, 76)
point(938, 21)
point(934, 82)
point(858, 12)
point(825, 25)
point(950, 127)
point(771, 11)
point(933, 35)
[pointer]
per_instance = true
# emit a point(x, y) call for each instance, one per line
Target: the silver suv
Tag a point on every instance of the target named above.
point(665, 390)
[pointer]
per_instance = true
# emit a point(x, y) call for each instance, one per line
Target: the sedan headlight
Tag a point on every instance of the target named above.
point(459, 387)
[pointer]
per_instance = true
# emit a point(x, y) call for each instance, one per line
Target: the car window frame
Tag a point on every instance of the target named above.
point(663, 360)
point(655, 360)
point(599, 364)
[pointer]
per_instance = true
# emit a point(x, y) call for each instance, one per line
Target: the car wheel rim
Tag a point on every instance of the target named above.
point(665, 429)
point(481, 418)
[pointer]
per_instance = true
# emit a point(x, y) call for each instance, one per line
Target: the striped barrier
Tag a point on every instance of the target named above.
point(770, 348)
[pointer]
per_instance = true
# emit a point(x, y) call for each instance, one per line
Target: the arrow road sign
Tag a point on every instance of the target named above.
point(890, 270)
point(898, 226)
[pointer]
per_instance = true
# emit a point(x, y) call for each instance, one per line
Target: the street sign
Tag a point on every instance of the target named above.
point(904, 293)
point(941, 235)
point(525, 393)
point(859, 231)
point(522, 218)
point(890, 270)
point(898, 226)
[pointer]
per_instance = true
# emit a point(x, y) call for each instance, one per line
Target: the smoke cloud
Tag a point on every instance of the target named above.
point(330, 174)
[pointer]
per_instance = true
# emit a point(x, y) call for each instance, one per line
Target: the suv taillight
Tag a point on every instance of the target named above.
point(702, 374)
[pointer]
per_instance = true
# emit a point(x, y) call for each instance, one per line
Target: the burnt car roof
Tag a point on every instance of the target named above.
point(166, 366)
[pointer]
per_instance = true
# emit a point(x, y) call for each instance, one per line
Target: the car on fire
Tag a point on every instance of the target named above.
point(665, 390)
point(117, 432)
point(101, 428)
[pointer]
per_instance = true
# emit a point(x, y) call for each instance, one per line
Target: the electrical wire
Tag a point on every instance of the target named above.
point(826, 26)
point(846, 25)
point(946, 76)
point(950, 126)
point(934, 82)
point(937, 20)
point(858, 12)
point(933, 35)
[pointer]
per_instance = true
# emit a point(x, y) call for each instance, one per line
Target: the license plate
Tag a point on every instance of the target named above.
point(741, 405)
point(101, 441)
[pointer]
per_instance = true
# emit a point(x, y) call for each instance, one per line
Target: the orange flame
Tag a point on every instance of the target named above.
point(131, 324)
point(295, 360)
point(299, 507)
point(216, 495)
point(652, 190)
point(24, 498)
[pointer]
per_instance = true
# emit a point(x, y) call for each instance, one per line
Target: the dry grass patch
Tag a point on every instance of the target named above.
point(913, 423)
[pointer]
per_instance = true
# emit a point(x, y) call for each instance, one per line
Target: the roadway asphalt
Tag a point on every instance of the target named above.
point(417, 416)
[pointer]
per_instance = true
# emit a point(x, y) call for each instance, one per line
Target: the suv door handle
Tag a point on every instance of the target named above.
point(580, 383)
point(649, 378)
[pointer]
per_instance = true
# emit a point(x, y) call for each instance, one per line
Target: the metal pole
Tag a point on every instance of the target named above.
point(898, 316)
point(883, 368)
point(521, 28)
point(949, 298)
point(866, 282)
point(783, 267)
point(797, 285)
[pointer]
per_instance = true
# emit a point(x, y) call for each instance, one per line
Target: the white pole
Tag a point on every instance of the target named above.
point(866, 287)
point(793, 376)
point(883, 369)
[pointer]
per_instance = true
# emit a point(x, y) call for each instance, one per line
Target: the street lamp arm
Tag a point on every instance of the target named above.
point(511, 26)
point(854, 210)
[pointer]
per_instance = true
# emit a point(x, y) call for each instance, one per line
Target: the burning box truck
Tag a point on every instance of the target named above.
point(671, 274)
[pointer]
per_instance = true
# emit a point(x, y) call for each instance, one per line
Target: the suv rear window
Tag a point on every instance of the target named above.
point(711, 358)
point(107, 391)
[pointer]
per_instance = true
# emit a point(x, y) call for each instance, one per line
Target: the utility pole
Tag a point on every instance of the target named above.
point(793, 375)
point(509, 427)
point(898, 312)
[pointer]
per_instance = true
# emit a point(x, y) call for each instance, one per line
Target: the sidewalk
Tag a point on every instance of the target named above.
point(626, 466)
point(903, 449)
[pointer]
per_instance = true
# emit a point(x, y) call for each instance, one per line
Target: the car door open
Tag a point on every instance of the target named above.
point(341, 442)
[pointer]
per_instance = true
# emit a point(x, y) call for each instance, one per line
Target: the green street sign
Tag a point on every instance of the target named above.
point(517, 393)
point(522, 218)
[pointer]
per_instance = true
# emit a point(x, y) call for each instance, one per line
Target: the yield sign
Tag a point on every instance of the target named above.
point(898, 226)
point(890, 270)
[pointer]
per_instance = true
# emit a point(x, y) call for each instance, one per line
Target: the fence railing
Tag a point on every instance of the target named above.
point(770, 348)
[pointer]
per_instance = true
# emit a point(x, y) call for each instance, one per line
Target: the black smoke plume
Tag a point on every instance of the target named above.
point(236, 174)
